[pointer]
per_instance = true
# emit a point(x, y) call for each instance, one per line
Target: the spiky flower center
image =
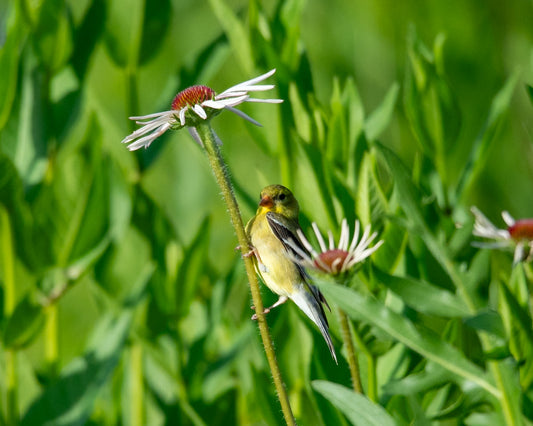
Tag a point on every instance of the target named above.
point(521, 230)
point(331, 261)
point(192, 96)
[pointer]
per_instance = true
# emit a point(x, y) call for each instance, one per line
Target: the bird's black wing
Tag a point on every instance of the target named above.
point(281, 230)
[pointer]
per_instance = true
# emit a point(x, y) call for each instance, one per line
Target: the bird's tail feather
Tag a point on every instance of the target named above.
point(307, 302)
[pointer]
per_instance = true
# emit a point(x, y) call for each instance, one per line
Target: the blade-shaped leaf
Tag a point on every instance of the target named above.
point(9, 60)
point(478, 154)
point(380, 118)
point(403, 330)
point(356, 407)
point(25, 323)
point(422, 296)
point(236, 33)
point(70, 399)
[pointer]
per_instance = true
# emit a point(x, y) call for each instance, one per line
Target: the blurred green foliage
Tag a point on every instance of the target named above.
point(122, 298)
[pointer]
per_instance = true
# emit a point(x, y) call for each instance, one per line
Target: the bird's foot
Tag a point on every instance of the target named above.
point(265, 311)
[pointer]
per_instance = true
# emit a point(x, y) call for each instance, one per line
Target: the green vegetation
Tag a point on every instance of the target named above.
point(122, 297)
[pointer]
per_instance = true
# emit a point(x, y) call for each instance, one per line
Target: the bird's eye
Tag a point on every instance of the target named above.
point(281, 197)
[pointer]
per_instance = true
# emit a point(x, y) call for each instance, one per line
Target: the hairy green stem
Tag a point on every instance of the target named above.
point(222, 177)
point(353, 362)
point(8, 261)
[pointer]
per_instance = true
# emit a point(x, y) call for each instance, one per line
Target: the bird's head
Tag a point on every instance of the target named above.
point(278, 199)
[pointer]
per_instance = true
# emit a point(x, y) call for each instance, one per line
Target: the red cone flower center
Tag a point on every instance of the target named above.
point(192, 96)
point(333, 260)
point(522, 230)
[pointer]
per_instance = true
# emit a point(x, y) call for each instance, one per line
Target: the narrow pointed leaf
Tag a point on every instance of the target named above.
point(359, 410)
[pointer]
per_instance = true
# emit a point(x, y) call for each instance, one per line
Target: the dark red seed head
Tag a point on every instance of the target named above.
point(522, 229)
point(331, 260)
point(192, 96)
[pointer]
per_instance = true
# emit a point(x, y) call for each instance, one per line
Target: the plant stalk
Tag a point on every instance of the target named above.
point(222, 177)
point(8, 260)
point(51, 343)
point(351, 353)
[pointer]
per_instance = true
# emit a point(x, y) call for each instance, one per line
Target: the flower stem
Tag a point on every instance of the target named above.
point(353, 363)
point(51, 345)
point(8, 260)
point(371, 389)
point(222, 177)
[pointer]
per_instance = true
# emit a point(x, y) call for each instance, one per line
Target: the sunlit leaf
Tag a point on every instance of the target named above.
point(422, 296)
point(478, 154)
point(403, 330)
point(356, 407)
point(236, 33)
point(9, 60)
point(27, 320)
point(70, 399)
point(380, 118)
point(123, 32)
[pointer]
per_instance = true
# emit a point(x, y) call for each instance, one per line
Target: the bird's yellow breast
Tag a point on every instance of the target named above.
point(277, 270)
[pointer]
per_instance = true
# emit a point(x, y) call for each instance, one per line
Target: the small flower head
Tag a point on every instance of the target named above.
point(518, 235)
point(194, 105)
point(336, 259)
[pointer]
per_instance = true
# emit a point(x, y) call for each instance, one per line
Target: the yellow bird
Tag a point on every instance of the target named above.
point(275, 223)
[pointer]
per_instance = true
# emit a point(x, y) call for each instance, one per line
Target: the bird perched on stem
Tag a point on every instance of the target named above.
point(272, 231)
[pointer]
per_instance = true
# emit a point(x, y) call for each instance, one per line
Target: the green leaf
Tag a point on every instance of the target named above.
point(422, 296)
point(302, 120)
point(9, 60)
point(478, 154)
point(389, 254)
point(430, 105)
point(17, 210)
point(357, 408)
point(126, 267)
point(403, 330)
point(87, 35)
point(371, 201)
point(25, 323)
point(123, 32)
point(193, 267)
point(409, 195)
point(53, 35)
point(380, 118)
point(529, 90)
point(236, 33)
point(70, 399)
point(433, 376)
point(154, 28)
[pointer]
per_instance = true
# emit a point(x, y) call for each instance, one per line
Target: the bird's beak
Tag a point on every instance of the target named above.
point(266, 201)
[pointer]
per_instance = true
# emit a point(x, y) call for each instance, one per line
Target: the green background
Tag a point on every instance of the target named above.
point(123, 299)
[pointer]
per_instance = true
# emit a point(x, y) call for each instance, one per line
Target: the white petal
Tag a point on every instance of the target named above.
point(182, 115)
point(194, 133)
point(355, 236)
point(246, 85)
point(306, 243)
point(321, 242)
point(331, 241)
point(518, 253)
point(243, 115)
point(147, 140)
point(265, 101)
point(156, 114)
point(507, 218)
point(229, 102)
point(199, 111)
point(345, 235)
